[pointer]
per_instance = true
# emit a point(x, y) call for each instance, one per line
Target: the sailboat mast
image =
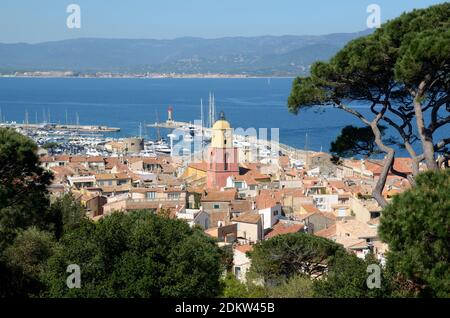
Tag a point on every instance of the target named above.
point(209, 111)
point(201, 112)
point(158, 133)
point(306, 150)
point(213, 109)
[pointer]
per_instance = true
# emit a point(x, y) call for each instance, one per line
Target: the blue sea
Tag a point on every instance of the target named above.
point(125, 103)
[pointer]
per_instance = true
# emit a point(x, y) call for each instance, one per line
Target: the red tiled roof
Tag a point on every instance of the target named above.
point(328, 232)
point(202, 166)
point(249, 217)
point(267, 199)
point(219, 196)
point(244, 248)
point(309, 208)
point(284, 228)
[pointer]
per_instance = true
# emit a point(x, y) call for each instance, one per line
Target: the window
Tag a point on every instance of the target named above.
point(238, 184)
point(151, 195)
point(275, 213)
point(173, 196)
point(374, 215)
point(237, 271)
point(216, 206)
point(225, 162)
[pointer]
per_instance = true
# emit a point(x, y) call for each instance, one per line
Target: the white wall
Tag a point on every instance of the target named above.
point(268, 218)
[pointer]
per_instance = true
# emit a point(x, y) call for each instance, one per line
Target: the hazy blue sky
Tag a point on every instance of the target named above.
point(44, 20)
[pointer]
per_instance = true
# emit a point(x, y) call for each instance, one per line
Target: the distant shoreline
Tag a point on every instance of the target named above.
point(143, 75)
point(129, 76)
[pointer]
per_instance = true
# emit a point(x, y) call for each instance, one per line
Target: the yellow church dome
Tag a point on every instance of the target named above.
point(221, 124)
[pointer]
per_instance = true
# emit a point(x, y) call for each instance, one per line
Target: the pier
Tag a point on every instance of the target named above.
point(79, 128)
point(292, 152)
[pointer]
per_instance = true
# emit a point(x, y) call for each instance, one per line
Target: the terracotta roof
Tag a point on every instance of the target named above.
point(62, 158)
point(78, 159)
point(241, 205)
point(351, 242)
point(248, 217)
point(403, 165)
point(97, 159)
point(212, 231)
point(283, 161)
point(62, 171)
point(122, 188)
point(46, 159)
point(111, 176)
point(219, 196)
point(338, 184)
point(284, 228)
point(267, 199)
point(355, 229)
point(328, 232)
point(251, 177)
point(309, 208)
point(202, 166)
point(244, 248)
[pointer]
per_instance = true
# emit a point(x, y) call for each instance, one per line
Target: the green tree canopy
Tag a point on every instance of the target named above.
point(283, 256)
point(137, 255)
point(401, 72)
point(354, 141)
point(26, 259)
point(347, 278)
point(68, 213)
point(23, 187)
point(416, 225)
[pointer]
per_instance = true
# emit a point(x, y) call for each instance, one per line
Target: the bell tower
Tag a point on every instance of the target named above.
point(223, 156)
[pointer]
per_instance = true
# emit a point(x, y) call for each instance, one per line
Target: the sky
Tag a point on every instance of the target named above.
point(35, 21)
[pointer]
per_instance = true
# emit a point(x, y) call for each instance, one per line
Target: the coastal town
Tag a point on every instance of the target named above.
point(237, 193)
point(321, 179)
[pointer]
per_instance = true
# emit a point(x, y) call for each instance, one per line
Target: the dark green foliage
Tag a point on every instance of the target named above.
point(348, 279)
point(69, 214)
point(26, 260)
point(233, 288)
point(284, 256)
point(137, 255)
point(354, 141)
point(297, 286)
point(416, 225)
point(23, 193)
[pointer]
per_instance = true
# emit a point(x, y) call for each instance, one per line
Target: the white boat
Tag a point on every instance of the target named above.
point(161, 147)
point(147, 153)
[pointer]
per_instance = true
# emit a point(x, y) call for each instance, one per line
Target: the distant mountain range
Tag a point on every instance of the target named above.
point(264, 55)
